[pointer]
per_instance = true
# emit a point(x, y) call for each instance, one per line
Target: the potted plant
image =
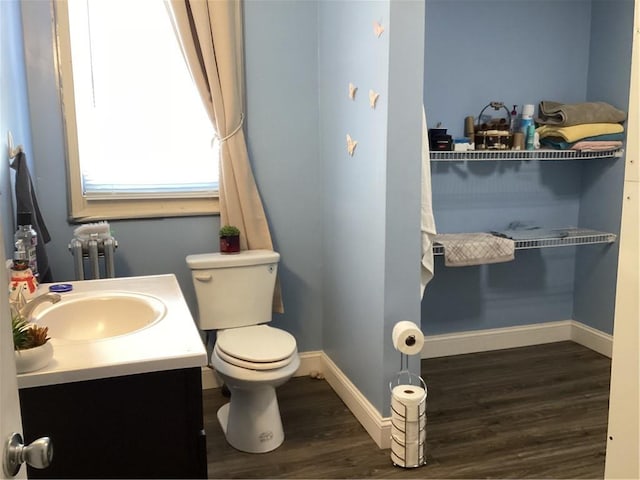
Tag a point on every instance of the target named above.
point(31, 344)
point(229, 239)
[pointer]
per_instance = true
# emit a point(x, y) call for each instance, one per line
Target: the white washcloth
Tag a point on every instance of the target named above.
point(463, 249)
point(427, 222)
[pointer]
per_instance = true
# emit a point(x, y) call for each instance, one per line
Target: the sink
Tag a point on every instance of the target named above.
point(98, 315)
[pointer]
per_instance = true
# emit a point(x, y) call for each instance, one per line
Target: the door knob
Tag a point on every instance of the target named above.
point(37, 454)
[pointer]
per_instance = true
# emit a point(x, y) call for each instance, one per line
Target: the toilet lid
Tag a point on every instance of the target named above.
point(259, 347)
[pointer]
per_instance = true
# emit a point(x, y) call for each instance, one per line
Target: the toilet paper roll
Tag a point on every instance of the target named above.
point(407, 454)
point(414, 432)
point(407, 337)
point(408, 401)
point(402, 425)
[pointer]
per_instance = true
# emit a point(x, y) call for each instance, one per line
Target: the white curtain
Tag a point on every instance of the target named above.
point(211, 35)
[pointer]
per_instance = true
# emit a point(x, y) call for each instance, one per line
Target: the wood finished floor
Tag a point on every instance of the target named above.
point(532, 412)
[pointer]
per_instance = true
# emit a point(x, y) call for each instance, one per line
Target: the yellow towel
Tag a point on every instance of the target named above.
point(578, 132)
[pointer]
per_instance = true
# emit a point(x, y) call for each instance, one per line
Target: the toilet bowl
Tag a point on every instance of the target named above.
point(252, 362)
point(234, 295)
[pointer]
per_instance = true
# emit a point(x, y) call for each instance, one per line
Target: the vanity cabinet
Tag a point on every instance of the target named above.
point(147, 425)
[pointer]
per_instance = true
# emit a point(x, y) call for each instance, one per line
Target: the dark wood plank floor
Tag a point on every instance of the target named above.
point(532, 412)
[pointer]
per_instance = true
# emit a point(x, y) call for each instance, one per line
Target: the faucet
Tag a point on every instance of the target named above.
point(27, 309)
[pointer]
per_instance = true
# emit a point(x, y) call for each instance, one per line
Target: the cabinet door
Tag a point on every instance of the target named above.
point(137, 426)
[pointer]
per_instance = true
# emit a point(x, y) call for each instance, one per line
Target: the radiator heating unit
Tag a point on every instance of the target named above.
point(93, 248)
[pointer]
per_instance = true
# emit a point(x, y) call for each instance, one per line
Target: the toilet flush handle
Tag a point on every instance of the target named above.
point(203, 278)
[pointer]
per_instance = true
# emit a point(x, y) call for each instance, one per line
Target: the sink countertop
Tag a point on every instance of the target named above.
point(171, 343)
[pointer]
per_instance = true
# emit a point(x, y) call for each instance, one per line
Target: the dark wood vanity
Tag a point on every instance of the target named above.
point(146, 425)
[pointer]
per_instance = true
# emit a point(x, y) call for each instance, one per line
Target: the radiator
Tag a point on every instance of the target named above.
point(94, 250)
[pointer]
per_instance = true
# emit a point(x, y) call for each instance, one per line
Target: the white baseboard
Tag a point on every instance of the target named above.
point(591, 338)
point(512, 337)
point(495, 339)
point(210, 379)
point(379, 427)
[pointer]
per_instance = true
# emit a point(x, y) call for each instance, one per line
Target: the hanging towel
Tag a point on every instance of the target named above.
point(427, 222)
point(567, 114)
point(578, 132)
point(26, 201)
point(463, 249)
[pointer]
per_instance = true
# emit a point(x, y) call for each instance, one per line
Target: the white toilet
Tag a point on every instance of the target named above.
point(234, 294)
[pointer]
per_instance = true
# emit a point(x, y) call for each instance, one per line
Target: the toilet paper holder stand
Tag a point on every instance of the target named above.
point(404, 373)
point(405, 377)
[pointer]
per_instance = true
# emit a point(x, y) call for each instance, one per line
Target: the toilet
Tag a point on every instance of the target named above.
point(234, 294)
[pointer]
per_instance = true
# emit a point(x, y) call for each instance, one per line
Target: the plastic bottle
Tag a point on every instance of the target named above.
point(25, 241)
point(529, 140)
point(527, 119)
point(527, 127)
point(514, 119)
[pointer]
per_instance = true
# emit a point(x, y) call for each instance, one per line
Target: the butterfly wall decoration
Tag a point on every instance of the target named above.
point(373, 98)
point(352, 91)
point(351, 145)
point(377, 29)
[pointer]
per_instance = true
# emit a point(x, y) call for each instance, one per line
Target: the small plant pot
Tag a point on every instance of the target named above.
point(32, 359)
point(230, 244)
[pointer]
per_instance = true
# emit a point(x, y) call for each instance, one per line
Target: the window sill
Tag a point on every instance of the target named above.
point(94, 210)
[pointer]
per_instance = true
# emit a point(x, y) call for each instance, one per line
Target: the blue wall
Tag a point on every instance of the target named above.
point(282, 136)
point(354, 187)
point(601, 202)
point(514, 51)
point(371, 217)
point(14, 114)
point(524, 52)
point(282, 140)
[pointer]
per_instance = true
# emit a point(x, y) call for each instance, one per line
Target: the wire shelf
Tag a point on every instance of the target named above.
point(570, 237)
point(489, 155)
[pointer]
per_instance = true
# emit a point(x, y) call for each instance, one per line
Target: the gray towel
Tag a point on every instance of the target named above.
point(26, 201)
point(567, 114)
point(463, 249)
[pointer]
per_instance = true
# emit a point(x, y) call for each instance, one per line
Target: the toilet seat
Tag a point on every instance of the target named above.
point(258, 347)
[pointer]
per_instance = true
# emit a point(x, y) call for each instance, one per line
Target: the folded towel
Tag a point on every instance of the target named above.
point(567, 114)
point(595, 145)
point(462, 249)
point(578, 132)
point(559, 143)
point(517, 231)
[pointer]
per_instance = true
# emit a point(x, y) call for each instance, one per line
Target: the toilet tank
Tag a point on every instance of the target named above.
point(234, 290)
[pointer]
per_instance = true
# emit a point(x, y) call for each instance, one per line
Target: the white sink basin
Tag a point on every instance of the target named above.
point(98, 315)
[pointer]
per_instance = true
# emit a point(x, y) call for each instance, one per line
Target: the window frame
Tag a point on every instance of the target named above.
point(80, 208)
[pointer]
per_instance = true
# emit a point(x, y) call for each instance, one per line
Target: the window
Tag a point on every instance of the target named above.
point(139, 141)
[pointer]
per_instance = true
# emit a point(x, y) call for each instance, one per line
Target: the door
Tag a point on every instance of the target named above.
point(10, 421)
point(623, 437)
